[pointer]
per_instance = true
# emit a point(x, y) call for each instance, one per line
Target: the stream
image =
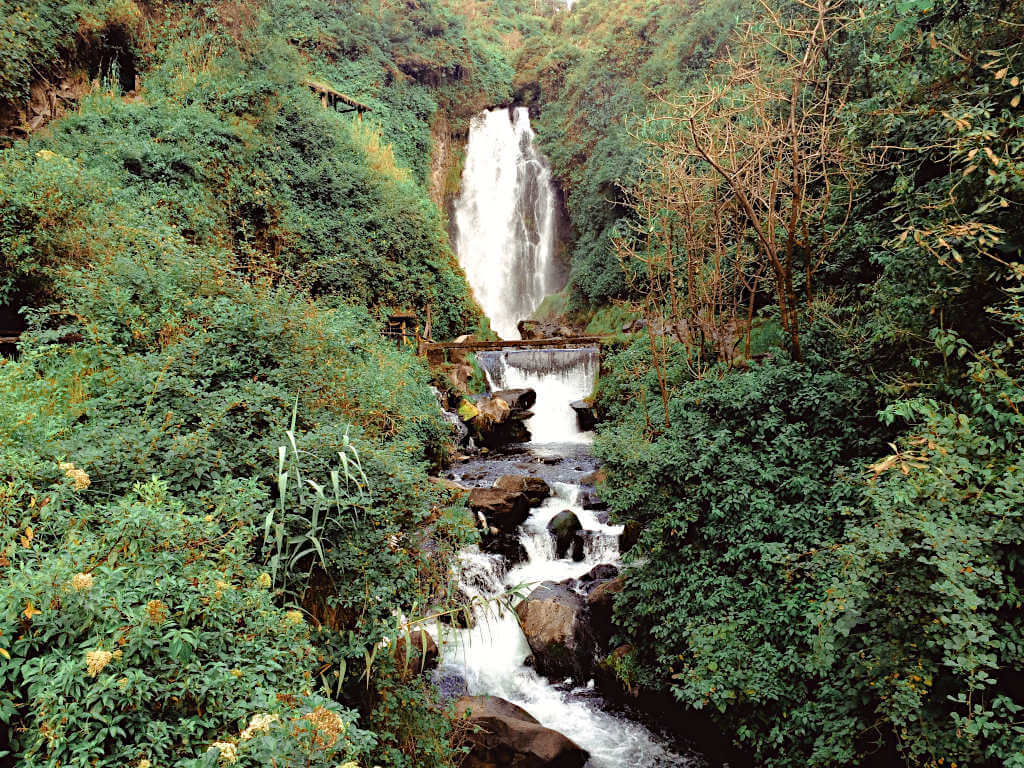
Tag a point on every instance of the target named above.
point(491, 657)
point(505, 237)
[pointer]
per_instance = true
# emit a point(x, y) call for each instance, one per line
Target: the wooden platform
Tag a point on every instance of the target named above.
point(437, 353)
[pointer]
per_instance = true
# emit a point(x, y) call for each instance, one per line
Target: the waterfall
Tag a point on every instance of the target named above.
point(558, 376)
point(505, 219)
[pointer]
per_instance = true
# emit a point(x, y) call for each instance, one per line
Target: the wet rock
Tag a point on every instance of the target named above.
point(535, 488)
point(468, 411)
point(608, 679)
point(496, 423)
point(630, 536)
point(601, 572)
point(507, 545)
point(554, 620)
point(566, 528)
point(531, 329)
point(492, 410)
point(517, 399)
point(589, 499)
point(416, 656)
point(460, 432)
point(508, 736)
point(600, 602)
point(586, 414)
point(505, 510)
point(450, 685)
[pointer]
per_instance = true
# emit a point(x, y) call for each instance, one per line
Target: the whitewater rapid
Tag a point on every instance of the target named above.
point(491, 657)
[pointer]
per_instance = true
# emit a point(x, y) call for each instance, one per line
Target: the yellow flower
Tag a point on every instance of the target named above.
point(349, 764)
point(144, 763)
point(293, 617)
point(157, 611)
point(45, 154)
point(235, 672)
point(122, 682)
point(118, 654)
point(327, 726)
point(260, 723)
point(77, 475)
point(228, 751)
point(81, 582)
point(96, 660)
point(264, 581)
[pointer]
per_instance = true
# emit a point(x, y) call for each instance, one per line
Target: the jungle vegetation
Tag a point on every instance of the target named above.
point(214, 471)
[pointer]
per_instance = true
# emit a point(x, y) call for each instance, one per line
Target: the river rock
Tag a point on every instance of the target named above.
point(535, 488)
point(566, 528)
point(607, 678)
point(586, 414)
point(509, 737)
point(507, 545)
point(451, 686)
point(554, 620)
point(588, 499)
point(459, 429)
point(422, 653)
point(630, 536)
point(602, 572)
point(503, 509)
point(492, 410)
point(517, 399)
point(600, 603)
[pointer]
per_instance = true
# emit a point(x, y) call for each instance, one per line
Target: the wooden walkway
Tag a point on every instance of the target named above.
point(437, 353)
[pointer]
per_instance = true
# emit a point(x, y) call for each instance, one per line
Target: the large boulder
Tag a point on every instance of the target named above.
point(418, 655)
point(600, 603)
point(517, 399)
point(509, 737)
point(494, 409)
point(554, 620)
point(566, 529)
point(495, 423)
point(535, 488)
point(503, 509)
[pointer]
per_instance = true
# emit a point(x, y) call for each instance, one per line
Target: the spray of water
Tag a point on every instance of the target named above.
point(558, 376)
point(505, 219)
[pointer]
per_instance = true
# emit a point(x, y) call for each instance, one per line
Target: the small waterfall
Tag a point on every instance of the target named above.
point(559, 377)
point(505, 219)
point(491, 657)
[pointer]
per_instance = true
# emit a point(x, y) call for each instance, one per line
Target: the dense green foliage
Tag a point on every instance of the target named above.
point(597, 74)
point(830, 559)
point(214, 489)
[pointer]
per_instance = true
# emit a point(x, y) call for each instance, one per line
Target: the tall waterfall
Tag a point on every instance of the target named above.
point(505, 219)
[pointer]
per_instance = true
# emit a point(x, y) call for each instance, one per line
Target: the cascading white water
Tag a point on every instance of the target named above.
point(505, 219)
point(558, 376)
point(491, 655)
